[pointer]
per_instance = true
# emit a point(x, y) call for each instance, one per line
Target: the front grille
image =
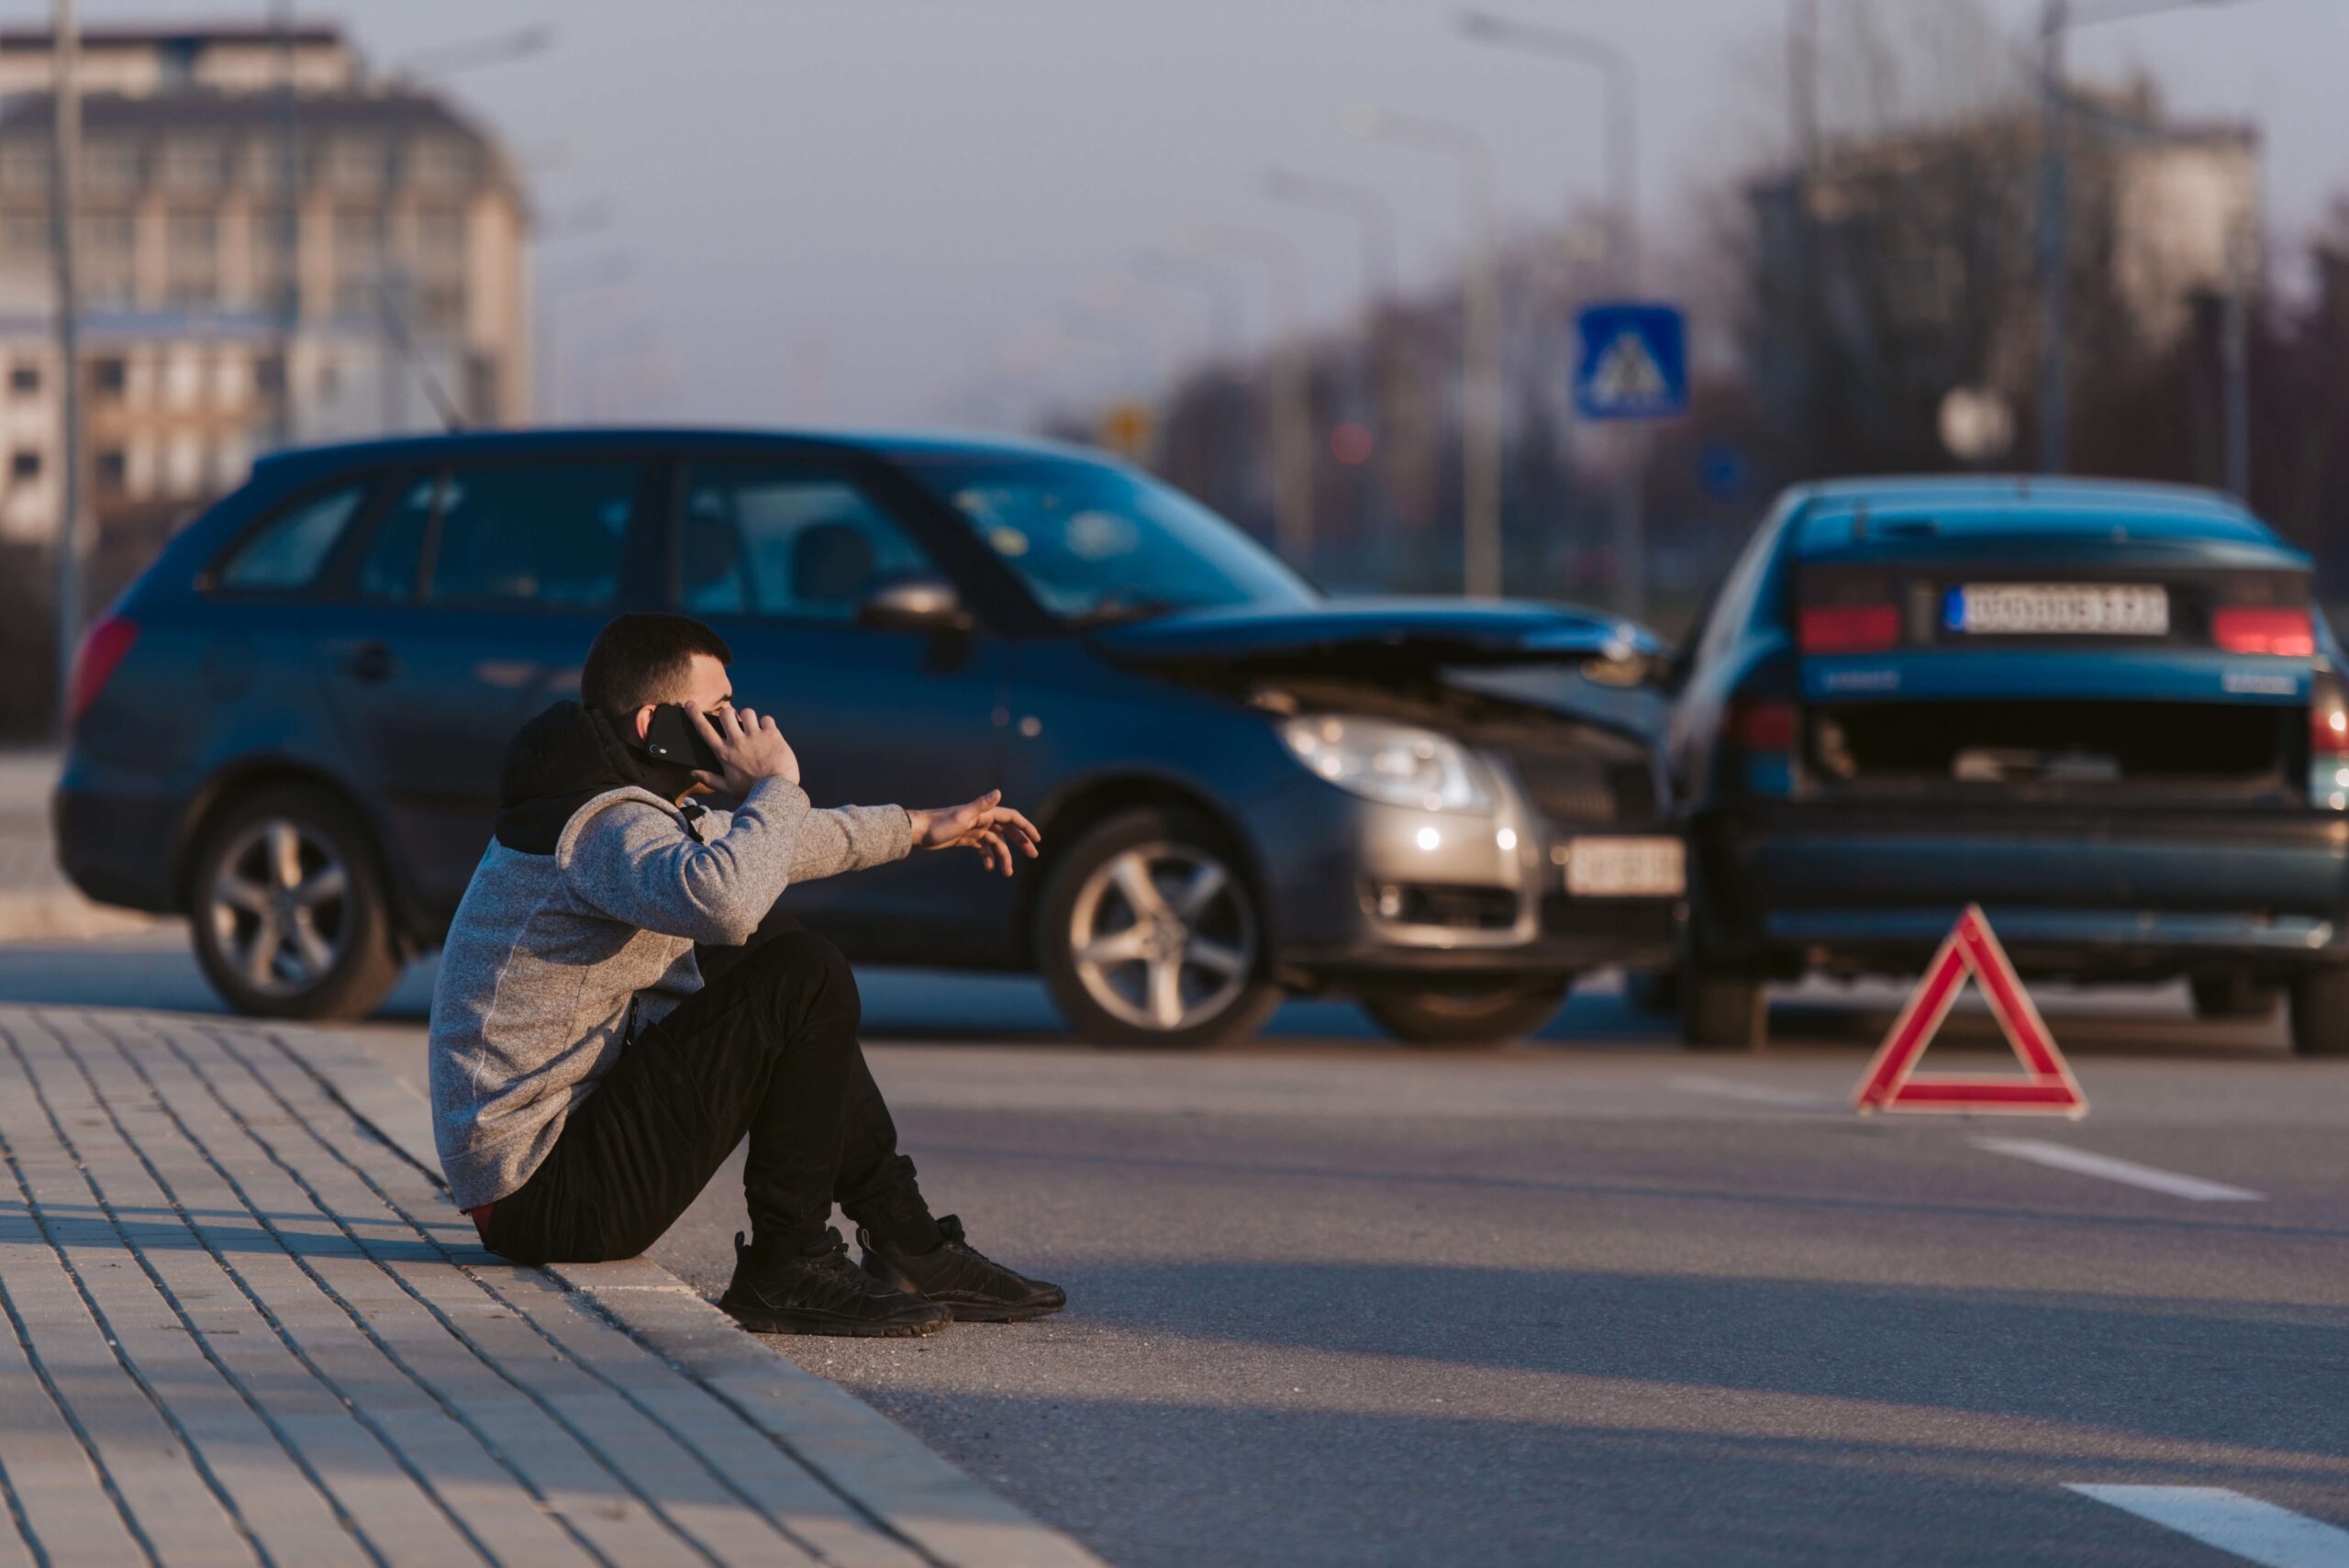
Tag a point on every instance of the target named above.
point(1580, 778)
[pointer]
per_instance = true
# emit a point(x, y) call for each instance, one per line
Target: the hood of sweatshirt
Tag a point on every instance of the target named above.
point(561, 760)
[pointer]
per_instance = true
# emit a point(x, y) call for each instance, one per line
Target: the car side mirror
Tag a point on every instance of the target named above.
point(920, 604)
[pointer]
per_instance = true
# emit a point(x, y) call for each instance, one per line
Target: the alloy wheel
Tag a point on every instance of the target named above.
point(1162, 937)
point(279, 908)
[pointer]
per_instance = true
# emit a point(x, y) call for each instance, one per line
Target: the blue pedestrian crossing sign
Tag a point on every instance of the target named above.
point(1633, 362)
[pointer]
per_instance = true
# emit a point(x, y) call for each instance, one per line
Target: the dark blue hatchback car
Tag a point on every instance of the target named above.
point(2110, 713)
point(291, 726)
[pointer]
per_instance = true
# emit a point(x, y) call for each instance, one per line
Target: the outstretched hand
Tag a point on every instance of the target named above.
point(980, 825)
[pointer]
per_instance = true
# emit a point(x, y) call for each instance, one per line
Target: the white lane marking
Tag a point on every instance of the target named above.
point(2255, 1531)
point(2064, 1157)
point(1755, 1093)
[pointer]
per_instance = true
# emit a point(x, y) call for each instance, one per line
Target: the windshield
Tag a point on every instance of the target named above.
point(1095, 543)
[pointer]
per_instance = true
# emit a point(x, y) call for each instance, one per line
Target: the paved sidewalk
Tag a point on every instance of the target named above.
point(242, 1325)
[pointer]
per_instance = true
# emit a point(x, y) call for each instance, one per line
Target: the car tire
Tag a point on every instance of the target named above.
point(2321, 1012)
point(1724, 1012)
point(2230, 996)
point(1466, 1018)
point(1148, 935)
point(288, 910)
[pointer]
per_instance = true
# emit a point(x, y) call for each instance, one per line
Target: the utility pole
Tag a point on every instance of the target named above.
point(1620, 132)
point(1802, 111)
point(1374, 215)
point(1292, 390)
point(1188, 275)
point(2235, 356)
point(2055, 235)
point(289, 236)
point(1482, 397)
point(1802, 79)
point(65, 183)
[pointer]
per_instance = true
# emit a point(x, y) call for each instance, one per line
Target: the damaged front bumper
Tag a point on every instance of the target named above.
point(1356, 892)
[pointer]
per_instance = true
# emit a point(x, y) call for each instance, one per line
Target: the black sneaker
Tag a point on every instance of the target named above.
point(822, 1293)
point(959, 1275)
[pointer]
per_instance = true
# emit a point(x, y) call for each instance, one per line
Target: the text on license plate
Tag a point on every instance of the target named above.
point(2059, 609)
point(1625, 868)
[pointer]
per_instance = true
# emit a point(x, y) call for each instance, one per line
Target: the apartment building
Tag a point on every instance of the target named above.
point(271, 249)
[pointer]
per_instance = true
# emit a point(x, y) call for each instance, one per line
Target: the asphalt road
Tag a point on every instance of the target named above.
point(1595, 1299)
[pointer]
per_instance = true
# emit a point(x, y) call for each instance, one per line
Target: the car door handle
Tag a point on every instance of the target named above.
point(371, 662)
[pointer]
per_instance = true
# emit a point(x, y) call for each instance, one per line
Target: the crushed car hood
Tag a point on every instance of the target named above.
point(1419, 659)
point(1397, 637)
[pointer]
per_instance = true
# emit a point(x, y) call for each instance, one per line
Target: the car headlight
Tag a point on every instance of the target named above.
point(1396, 764)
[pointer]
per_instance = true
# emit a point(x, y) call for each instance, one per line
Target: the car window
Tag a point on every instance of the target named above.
point(395, 556)
point(1094, 542)
point(545, 535)
point(291, 549)
point(790, 544)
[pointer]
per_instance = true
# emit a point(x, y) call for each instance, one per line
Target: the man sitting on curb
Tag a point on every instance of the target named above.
point(619, 1003)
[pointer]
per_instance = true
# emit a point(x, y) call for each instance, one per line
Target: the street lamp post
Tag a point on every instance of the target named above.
point(1481, 397)
point(1373, 216)
point(1621, 122)
point(2058, 20)
point(1123, 297)
point(1292, 390)
point(1371, 212)
point(1189, 274)
point(65, 176)
point(1620, 133)
point(1135, 357)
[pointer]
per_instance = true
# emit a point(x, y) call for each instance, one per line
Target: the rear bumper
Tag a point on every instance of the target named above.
point(118, 843)
point(1809, 885)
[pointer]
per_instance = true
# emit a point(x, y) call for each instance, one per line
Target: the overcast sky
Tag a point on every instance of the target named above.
point(875, 211)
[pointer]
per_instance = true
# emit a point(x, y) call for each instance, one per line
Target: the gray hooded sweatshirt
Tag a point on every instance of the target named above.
point(579, 926)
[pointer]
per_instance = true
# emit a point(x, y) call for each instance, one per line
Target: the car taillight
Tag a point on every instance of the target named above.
point(2328, 742)
point(1760, 725)
point(95, 661)
point(2328, 723)
point(2246, 629)
point(1848, 628)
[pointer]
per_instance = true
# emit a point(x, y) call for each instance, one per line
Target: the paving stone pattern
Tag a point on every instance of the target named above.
point(242, 1328)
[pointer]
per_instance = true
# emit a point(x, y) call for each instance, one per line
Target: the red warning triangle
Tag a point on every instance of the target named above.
point(1892, 1082)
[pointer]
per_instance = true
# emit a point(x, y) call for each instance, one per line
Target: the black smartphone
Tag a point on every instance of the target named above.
point(674, 738)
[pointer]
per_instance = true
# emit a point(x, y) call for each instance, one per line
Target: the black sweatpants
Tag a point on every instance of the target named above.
point(768, 1047)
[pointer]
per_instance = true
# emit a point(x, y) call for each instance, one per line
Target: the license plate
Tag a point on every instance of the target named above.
point(1625, 868)
point(2059, 609)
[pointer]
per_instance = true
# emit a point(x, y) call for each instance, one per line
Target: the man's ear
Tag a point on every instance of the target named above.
point(642, 722)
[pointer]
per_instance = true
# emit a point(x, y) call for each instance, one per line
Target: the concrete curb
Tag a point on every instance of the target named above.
point(871, 1461)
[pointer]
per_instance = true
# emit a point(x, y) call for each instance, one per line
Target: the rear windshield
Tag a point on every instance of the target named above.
point(1822, 532)
point(1095, 543)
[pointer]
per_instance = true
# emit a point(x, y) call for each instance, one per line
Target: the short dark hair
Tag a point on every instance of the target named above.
point(641, 657)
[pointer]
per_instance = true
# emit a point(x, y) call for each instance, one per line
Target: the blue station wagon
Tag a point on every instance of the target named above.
point(2110, 713)
point(291, 726)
